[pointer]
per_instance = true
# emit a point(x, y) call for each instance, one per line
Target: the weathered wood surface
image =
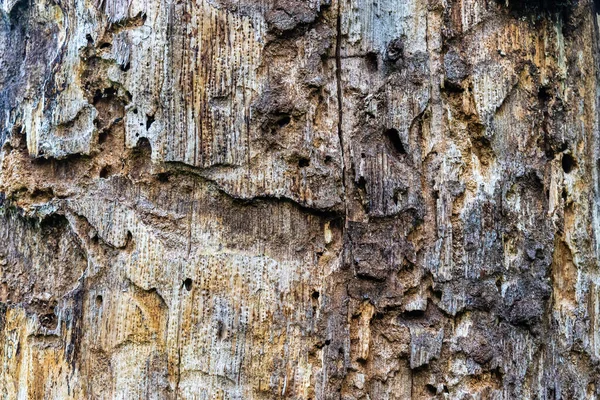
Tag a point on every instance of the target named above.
point(390, 199)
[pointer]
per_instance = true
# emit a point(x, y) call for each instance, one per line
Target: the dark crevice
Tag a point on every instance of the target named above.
point(452, 87)
point(220, 330)
point(129, 244)
point(393, 138)
point(103, 136)
point(372, 61)
point(396, 196)
point(18, 13)
point(187, 283)
point(73, 348)
point(321, 345)
point(163, 177)
point(338, 75)
point(431, 389)
point(143, 145)
point(413, 314)
point(284, 120)
point(568, 163)
point(540, 8)
point(105, 172)
point(107, 93)
point(544, 95)
point(149, 121)
point(362, 183)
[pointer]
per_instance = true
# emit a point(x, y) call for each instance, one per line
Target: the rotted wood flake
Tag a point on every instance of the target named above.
point(395, 199)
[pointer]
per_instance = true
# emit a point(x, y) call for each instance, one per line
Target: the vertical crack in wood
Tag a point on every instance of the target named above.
point(338, 75)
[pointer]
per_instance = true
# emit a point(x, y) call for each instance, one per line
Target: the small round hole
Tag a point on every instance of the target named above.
point(105, 172)
point(99, 301)
point(163, 177)
point(283, 121)
point(187, 283)
point(303, 162)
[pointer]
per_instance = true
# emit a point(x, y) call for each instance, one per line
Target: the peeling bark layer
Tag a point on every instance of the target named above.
point(395, 199)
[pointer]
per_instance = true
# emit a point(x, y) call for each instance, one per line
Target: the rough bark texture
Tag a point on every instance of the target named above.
point(355, 199)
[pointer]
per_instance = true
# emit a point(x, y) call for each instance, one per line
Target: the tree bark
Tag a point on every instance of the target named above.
point(389, 199)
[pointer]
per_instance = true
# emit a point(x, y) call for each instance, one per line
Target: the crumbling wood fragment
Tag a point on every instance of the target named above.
point(390, 199)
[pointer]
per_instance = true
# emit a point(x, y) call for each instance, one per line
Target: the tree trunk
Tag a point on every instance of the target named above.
point(325, 199)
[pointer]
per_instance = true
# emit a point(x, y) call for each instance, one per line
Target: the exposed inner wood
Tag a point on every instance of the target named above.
point(216, 199)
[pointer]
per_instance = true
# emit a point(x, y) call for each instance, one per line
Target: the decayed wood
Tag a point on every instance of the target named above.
point(355, 199)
